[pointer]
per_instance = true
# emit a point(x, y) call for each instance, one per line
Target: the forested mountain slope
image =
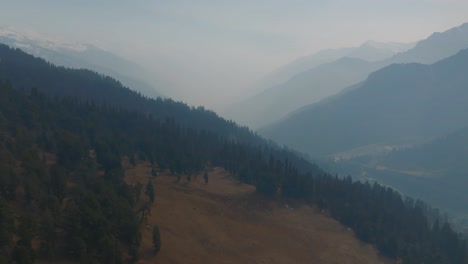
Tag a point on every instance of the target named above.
point(26, 72)
point(400, 104)
point(61, 152)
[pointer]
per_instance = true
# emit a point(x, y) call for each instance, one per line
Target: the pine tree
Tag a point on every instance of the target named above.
point(150, 191)
point(205, 177)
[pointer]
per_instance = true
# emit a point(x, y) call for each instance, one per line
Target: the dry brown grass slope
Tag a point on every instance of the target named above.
point(226, 222)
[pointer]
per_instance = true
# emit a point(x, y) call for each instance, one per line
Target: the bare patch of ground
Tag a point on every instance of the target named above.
point(227, 222)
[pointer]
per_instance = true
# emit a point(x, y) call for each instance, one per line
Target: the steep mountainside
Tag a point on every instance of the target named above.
point(315, 84)
point(399, 104)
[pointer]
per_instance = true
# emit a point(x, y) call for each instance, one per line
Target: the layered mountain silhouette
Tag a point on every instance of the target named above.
point(399, 104)
point(369, 51)
point(317, 83)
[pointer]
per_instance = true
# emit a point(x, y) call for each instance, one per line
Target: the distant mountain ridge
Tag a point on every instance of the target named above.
point(437, 46)
point(315, 84)
point(292, 83)
point(79, 55)
point(326, 79)
point(369, 51)
point(398, 104)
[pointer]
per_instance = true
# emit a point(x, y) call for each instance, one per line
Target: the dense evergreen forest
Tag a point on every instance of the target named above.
point(61, 179)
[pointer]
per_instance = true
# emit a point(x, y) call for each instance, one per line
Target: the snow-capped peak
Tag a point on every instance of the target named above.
point(26, 39)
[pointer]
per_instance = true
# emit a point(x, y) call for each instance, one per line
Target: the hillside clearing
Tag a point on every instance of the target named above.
point(227, 222)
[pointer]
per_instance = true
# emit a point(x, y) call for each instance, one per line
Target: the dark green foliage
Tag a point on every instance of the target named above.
point(265, 186)
point(6, 226)
point(156, 239)
point(9, 179)
point(150, 191)
point(47, 235)
point(57, 184)
point(132, 160)
point(23, 252)
point(70, 150)
point(98, 222)
point(133, 252)
point(110, 250)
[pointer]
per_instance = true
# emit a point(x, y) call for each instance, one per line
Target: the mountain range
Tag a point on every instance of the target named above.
point(399, 104)
point(324, 80)
point(369, 51)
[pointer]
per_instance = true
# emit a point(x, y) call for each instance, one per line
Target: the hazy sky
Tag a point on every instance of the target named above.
point(215, 50)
